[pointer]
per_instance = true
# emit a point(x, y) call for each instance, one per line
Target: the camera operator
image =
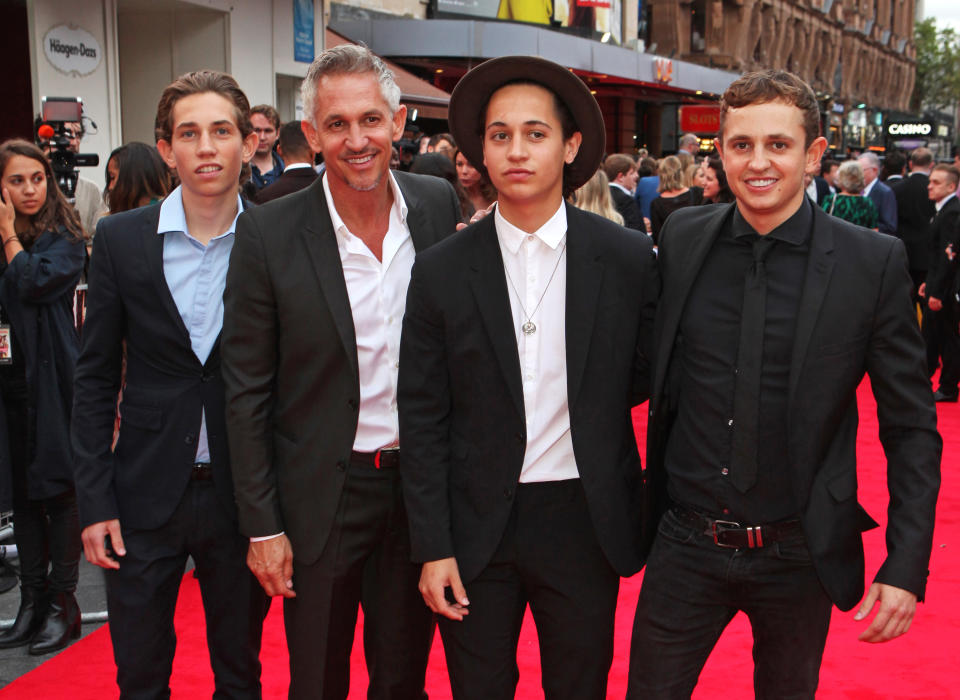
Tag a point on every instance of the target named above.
point(40, 263)
point(87, 198)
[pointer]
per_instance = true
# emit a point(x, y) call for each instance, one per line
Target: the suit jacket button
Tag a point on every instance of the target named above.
point(519, 438)
point(188, 440)
point(352, 404)
point(341, 466)
point(206, 377)
point(508, 494)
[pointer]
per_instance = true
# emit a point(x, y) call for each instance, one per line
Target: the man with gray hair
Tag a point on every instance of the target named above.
point(883, 197)
point(312, 314)
point(690, 143)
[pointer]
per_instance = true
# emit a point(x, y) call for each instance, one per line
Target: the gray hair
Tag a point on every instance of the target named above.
point(850, 176)
point(870, 159)
point(347, 58)
point(689, 140)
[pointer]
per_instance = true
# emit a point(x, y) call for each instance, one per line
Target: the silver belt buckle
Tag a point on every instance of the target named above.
point(723, 525)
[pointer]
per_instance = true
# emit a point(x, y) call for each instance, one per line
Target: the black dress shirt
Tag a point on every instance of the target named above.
point(698, 456)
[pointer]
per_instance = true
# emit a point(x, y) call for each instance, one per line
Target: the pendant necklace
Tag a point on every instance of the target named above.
point(529, 327)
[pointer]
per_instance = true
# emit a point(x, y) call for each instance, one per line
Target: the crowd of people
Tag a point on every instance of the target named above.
point(340, 373)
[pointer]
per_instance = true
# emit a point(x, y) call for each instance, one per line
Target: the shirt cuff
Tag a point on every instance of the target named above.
point(266, 537)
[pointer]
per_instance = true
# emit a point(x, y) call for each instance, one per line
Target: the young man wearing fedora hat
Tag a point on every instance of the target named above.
point(523, 351)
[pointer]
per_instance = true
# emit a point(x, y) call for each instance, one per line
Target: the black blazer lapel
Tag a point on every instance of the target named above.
point(153, 248)
point(819, 270)
point(584, 277)
point(688, 256)
point(417, 219)
point(321, 242)
point(489, 283)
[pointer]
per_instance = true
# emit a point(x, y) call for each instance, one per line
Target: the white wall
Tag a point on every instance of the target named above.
point(95, 89)
point(259, 47)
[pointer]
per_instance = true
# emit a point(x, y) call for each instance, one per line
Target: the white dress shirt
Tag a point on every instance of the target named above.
point(536, 266)
point(378, 294)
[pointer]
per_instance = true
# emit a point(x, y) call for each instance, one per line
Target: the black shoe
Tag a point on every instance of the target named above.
point(60, 626)
point(941, 397)
point(33, 607)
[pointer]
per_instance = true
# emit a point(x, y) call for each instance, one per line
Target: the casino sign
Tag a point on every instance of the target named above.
point(909, 128)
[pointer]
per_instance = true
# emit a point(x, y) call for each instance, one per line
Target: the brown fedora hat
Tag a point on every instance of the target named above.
point(470, 96)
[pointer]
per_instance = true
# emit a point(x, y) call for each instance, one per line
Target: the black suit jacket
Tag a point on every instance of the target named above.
point(914, 212)
point(823, 189)
point(289, 181)
point(944, 231)
point(167, 388)
point(628, 208)
point(855, 316)
point(462, 420)
point(290, 358)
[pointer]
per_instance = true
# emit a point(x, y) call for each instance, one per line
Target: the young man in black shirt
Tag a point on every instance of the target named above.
point(771, 314)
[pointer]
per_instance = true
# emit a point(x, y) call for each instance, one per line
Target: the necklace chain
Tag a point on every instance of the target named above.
point(529, 327)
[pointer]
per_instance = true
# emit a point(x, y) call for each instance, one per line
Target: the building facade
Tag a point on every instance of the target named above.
point(859, 55)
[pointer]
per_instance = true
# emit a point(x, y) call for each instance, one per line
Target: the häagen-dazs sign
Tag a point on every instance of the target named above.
point(72, 50)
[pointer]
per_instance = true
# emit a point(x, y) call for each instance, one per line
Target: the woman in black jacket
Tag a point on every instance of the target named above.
point(40, 265)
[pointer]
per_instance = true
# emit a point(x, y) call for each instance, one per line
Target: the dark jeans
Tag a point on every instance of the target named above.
point(692, 589)
point(548, 558)
point(142, 597)
point(47, 531)
point(366, 559)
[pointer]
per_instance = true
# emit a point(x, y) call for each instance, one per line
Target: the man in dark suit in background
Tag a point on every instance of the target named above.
point(313, 307)
point(771, 311)
point(940, 320)
point(880, 193)
point(298, 156)
point(523, 351)
point(621, 171)
point(915, 210)
point(164, 492)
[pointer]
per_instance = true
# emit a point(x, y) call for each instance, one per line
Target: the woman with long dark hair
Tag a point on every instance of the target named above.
point(715, 188)
point(40, 266)
point(136, 177)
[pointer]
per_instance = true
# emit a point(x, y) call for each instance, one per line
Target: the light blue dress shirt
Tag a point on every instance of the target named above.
point(196, 275)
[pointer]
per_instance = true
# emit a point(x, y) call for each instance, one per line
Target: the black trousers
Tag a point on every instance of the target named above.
point(550, 559)
point(692, 589)
point(366, 560)
point(942, 338)
point(142, 597)
point(47, 531)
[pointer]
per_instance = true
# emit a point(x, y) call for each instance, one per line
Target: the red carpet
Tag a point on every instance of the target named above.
point(921, 664)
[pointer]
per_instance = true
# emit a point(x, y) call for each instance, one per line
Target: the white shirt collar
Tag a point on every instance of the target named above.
point(551, 233)
point(343, 233)
point(174, 218)
point(617, 184)
point(943, 201)
point(866, 190)
point(297, 166)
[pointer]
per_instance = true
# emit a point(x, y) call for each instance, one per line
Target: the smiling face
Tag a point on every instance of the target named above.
point(25, 181)
point(523, 146)
point(354, 131)
point(206, 146)
point(711, 185)
point(765, 157)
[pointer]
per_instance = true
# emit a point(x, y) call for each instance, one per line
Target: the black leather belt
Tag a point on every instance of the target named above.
point(202, 471)
point(388, 458)
point(727, 533)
